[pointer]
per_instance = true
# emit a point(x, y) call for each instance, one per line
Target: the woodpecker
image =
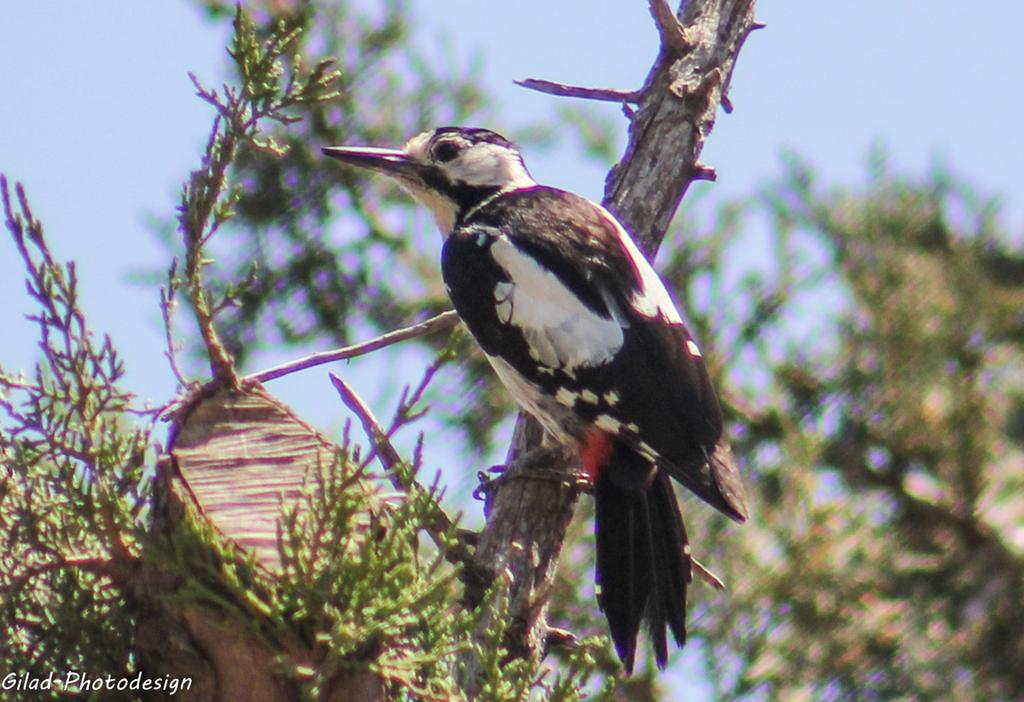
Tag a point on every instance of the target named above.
point(584, 335)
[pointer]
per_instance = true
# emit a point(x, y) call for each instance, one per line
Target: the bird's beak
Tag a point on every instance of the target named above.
point(394, 163)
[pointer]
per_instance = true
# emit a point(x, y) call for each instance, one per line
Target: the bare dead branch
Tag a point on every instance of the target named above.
point(706, 575)
point(391, 460)
point(563, 90)
point(445, 320)
point(379, 442)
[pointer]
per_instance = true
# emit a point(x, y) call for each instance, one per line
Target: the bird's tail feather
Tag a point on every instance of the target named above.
point(643, 564)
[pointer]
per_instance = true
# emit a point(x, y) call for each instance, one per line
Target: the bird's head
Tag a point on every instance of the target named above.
point(449, 169)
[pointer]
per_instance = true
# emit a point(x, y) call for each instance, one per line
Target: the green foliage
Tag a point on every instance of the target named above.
point(582, 663)
point(357, 585)
point(367, 588)
point(360, 590)
point(72, 502)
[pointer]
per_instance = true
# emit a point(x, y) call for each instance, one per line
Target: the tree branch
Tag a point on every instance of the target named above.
point(387, 454)
point(199, 199)
point(563, 90)
point(445, 320)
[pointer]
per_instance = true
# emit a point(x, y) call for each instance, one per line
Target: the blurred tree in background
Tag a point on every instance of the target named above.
point(871, 366)
point(876, 378)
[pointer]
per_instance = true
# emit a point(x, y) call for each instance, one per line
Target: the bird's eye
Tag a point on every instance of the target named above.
point(445, 151)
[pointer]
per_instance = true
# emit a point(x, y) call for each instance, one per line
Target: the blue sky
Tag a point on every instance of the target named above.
point(101, 124)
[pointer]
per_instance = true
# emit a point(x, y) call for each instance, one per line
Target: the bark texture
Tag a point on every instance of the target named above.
point(676, 110)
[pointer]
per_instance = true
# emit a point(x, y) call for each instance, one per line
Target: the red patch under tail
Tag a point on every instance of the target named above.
point(595, 449)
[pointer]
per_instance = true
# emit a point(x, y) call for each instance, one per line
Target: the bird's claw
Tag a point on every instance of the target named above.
point(487, 484)
point(532, 465)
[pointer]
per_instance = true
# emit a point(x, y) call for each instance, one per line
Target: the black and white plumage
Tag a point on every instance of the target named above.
point(582, 332)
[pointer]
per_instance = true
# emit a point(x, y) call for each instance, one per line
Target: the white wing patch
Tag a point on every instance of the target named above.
point(560, 330)
point(653, 299)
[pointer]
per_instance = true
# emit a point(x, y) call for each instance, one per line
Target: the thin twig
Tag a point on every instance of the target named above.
point(563, 90)
point(404, 413)
point(167, 305)
point(445, 320)
point(459, 553)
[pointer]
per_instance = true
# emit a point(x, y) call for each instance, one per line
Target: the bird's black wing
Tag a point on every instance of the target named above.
point(550, 283)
